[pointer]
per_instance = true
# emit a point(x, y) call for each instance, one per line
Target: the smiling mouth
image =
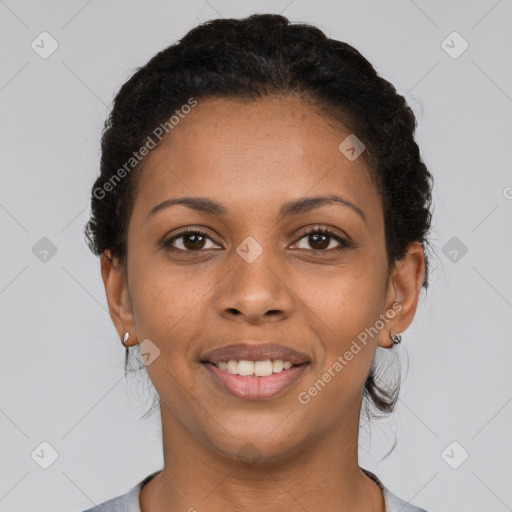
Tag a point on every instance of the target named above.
point(249, 368)
point(255, 380)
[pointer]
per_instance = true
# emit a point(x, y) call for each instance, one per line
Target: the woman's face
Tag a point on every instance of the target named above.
point(254, 277)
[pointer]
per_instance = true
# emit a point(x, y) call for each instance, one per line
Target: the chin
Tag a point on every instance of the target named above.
point(265, 445)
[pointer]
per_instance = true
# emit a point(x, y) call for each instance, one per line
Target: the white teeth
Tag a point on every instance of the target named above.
point(277, 365)
point(257, 368)
point(232, 367)
point(263, 368)
point(245, 367)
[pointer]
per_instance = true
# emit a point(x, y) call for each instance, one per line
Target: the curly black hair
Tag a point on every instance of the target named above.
point(260, 56)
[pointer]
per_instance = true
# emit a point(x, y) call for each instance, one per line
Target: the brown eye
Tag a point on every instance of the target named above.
point(323, 240)
point(189, 241)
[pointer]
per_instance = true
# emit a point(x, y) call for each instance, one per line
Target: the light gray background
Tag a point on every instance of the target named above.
point(62, 373)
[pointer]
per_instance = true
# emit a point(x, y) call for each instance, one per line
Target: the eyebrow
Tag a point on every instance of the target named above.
point(306, 204)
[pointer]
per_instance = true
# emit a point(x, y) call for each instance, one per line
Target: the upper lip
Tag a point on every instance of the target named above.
point(252, 352)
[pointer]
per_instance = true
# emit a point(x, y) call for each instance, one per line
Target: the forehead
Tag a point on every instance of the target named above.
point(255, 155)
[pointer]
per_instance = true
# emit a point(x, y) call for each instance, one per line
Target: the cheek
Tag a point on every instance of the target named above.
point(346, 299)
point(167, 304)
point(342, 308)
point(348, 351)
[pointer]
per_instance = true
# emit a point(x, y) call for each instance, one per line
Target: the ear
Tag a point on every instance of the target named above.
point(404, 288)
point(118, 297)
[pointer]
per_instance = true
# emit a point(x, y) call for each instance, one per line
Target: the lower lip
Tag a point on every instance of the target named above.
point(253, 387)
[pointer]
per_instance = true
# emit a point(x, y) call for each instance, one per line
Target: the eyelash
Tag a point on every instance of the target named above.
point(344, 244)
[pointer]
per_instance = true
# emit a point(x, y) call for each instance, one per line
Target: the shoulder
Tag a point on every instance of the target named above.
point(128, 502)
point(393, 503)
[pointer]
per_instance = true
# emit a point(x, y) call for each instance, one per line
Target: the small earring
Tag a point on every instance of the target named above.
point(396, 337)
point(125, 339)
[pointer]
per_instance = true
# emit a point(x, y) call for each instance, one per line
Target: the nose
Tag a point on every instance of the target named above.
point(255, 292)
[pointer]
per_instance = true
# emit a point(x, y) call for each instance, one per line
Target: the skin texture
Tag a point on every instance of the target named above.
point(253, 157)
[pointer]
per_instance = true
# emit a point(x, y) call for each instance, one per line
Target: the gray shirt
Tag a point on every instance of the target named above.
point(129, 502)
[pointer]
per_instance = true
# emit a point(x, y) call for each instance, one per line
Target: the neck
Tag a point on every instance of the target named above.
point(323, 474)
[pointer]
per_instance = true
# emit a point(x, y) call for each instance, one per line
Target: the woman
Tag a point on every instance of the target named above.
point(261, 216)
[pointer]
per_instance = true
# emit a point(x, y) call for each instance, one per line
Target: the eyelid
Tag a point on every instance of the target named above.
point(323, 227)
